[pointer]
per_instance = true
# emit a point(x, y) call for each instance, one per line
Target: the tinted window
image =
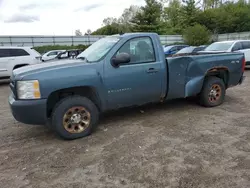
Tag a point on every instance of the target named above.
point(180, 47)
point(198, 49)
point(4, 53)
point(237, 46)
point(140, 49)
point(174, 49)
point(246, 44)
point(53, 53)
point(18, 52)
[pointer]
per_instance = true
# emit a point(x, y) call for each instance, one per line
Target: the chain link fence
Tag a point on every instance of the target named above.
point(68, 40)
point(89, 39)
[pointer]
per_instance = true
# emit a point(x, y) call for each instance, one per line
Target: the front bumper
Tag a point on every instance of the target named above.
point(29, 111)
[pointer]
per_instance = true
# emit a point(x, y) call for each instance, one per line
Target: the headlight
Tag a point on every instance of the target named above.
point(28, 89)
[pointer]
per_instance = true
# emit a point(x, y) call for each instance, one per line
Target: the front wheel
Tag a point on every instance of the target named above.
point(74, 117)
point(213, 92)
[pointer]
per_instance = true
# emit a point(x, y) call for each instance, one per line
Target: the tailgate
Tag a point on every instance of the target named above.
point(235, 62)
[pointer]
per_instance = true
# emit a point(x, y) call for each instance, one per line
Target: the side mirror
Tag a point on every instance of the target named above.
point(121, 58)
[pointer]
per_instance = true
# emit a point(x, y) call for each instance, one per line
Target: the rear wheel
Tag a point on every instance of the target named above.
point(213, 92)
point(74, 117)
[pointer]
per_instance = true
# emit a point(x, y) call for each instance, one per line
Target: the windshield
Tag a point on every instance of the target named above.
point(98, 49)
point(219, 46)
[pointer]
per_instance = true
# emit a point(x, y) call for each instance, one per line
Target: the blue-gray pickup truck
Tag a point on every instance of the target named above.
point(115, 72)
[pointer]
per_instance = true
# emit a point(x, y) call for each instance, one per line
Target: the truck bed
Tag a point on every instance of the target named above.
point(185, 73)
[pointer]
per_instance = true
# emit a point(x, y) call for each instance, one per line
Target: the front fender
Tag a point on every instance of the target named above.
point(67, 78)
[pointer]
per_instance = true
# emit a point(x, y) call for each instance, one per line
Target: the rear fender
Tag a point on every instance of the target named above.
point(194, 86)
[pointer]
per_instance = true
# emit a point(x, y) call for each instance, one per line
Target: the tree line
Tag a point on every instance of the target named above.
point(195, 20)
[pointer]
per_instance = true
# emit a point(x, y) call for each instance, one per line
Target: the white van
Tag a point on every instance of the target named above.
point(231, 46)
point(15, 57)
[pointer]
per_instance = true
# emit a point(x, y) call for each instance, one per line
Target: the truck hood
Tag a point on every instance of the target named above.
point(46, 66)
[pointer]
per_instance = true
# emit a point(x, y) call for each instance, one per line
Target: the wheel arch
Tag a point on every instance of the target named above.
point(85, 91)
point(220, 72)
point(194, 86)
point(19, 65)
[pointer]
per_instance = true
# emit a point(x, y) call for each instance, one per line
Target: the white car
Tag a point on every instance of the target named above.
point(51, 54)
point(15, 57)
point(231, 46)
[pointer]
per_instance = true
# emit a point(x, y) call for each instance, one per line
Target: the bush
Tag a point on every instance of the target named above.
point(44, 49)
point(197, 35)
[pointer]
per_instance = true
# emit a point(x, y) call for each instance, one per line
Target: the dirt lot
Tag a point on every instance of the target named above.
point(177, 144)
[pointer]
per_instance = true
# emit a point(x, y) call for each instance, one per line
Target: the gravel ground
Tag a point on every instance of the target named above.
point(178, 144)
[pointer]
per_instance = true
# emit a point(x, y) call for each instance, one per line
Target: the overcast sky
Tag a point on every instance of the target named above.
point(57, 17)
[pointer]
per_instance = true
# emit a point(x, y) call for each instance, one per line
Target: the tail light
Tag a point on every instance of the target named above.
point(243, 64)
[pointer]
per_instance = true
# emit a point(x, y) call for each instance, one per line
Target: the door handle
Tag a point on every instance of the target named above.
point(152, 70)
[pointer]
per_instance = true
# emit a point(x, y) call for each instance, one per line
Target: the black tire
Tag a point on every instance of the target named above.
point(57, 120)
point(205, 95)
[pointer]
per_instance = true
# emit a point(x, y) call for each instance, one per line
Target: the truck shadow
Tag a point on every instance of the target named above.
point(175, 105)
point(171, 105)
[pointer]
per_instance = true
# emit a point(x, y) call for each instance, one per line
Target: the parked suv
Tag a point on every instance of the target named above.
point(231, 46)
point(15, 57)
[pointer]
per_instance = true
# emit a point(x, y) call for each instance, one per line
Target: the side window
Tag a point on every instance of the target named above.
point(237, 46)
point(18, 52)
point(4, 53)
point(52, 53)
point(180, 47)
point(197, 49)
point(246, 44)
point(173, 49)
point(64, 55)
point(140, 49)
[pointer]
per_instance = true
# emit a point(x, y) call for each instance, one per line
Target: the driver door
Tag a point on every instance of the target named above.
point(138, 81)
